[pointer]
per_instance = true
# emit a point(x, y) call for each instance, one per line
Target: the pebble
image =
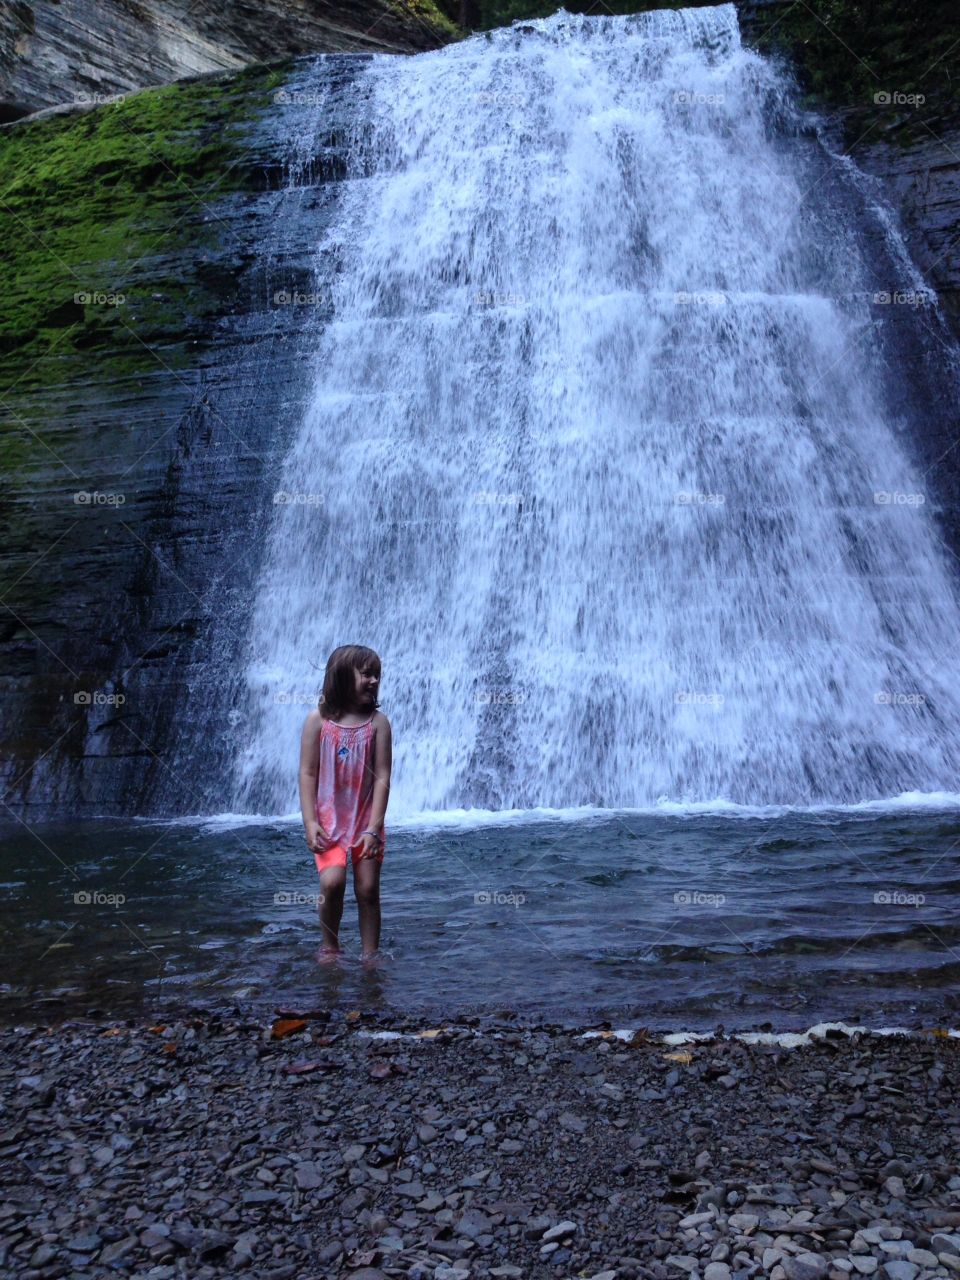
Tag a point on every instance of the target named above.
point(805, 1266)
point(900, 1269)
point(716, 1271)
point(564, 1228)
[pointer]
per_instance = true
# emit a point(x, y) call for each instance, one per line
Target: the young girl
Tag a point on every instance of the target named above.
point(345, 759)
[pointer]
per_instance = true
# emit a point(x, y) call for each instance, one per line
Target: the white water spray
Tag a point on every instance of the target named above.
point(596, 457)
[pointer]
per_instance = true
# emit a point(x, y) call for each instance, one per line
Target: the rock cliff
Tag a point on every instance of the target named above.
point(60, 51)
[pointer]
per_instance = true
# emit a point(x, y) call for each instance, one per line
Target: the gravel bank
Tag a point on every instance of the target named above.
point(309, 1148)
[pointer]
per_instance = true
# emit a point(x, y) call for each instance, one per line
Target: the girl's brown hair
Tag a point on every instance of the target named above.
point(339, 690)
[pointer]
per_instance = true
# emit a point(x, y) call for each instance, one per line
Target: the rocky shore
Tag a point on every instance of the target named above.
point(317, 1146)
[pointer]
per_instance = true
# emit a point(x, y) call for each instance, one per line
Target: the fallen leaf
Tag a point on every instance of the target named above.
point(638, 1037)
point(157, 1030)
point(114, 1031)
point(353, 1015)
point(169, 1048)
point(286, 1027)
point(432, 1034)
point(679, 1057)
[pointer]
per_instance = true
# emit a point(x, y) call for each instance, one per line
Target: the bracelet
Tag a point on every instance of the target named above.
point(368, 832)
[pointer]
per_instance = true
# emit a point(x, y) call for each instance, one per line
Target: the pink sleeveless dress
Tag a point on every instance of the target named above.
point(345, 779)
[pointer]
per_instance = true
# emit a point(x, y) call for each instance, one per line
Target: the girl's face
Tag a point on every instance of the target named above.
point(367, 686)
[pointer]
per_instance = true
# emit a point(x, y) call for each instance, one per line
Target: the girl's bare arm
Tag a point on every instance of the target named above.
point(309, 767)
point(382, 764)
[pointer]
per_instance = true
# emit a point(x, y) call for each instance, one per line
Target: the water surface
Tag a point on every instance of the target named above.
point(675, 920)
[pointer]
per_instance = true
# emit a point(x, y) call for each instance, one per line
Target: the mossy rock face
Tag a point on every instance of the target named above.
point(150, 381)
point(97, 194)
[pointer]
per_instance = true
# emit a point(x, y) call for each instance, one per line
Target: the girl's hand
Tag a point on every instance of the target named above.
point(317, 838)
point(370, 845)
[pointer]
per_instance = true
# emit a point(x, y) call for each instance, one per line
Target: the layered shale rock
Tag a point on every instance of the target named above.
point(65, 51)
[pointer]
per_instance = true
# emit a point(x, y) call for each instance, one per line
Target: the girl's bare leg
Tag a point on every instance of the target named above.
point(366, 886)
point(333, 882)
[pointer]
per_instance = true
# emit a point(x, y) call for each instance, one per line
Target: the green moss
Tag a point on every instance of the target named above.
point(429, 13)
point(92, 201)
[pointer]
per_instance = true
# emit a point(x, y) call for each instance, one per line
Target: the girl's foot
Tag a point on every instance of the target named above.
point(329, 955)
point(371, 959)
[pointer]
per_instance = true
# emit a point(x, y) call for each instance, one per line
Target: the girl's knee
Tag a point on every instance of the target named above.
point(367, 895)
point(333, 883)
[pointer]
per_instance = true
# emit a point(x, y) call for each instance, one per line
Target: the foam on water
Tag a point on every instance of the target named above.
point(472, 819)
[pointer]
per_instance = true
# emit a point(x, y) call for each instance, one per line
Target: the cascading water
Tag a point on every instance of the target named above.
point(598, 458)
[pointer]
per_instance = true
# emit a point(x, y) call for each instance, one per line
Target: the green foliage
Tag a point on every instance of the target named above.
point(849, 51)
point(431, 14)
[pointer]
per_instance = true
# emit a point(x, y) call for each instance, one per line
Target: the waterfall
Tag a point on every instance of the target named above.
point(598, 456)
